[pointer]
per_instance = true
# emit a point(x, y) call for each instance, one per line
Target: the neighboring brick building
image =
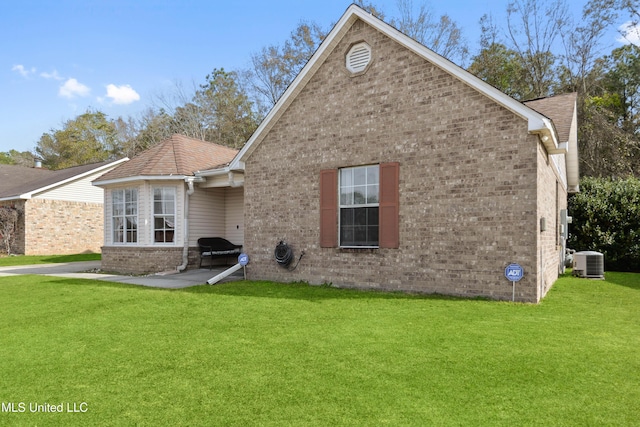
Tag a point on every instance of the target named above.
point(391, 168)
point(60, 212)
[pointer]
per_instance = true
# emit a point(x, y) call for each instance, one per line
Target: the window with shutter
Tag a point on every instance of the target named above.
point(328, 208)
point(365, 206)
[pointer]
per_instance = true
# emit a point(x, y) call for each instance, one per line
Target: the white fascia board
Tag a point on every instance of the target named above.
point(139, 178)
point(573, 170)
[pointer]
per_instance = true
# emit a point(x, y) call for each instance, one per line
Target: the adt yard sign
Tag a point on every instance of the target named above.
point(514, 272)
point(243, 259)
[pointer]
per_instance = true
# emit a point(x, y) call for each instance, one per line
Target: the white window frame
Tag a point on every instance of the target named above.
point(124, 217)
point(162, 215)
point(347, 199)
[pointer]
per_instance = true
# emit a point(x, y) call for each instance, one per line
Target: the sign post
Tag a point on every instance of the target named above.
point(243, 260)
point(514, 272)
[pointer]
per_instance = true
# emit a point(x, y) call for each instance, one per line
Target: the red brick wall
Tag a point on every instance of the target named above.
point(468, 173)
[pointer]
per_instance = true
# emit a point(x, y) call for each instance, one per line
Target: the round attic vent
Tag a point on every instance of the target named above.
point(358, 57)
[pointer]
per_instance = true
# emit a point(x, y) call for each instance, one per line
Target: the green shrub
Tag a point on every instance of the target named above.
point(606, 218)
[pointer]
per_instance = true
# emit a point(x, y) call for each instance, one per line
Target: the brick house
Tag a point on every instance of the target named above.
point(390, 167)
point(158, 204)
point(60, 212)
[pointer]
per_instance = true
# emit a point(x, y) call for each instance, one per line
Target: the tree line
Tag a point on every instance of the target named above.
point(542, 49)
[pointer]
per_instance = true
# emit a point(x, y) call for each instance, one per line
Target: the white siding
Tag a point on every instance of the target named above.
point(76, 191)
point(206, 214)
point(234, 215)
point(108, 240)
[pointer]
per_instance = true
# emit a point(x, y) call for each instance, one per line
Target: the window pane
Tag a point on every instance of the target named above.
point(346, 177)
point(169, 223)
point(372, 216)
point(359, 176)
point(117, 196)
point(372, 234)
point(360, 235)
point(372, 193)
point(346, 216)
point(360, 195)
point(118, 230)
point(158, 223)
point(373, 173)
point(360, 216)
point(118, 209)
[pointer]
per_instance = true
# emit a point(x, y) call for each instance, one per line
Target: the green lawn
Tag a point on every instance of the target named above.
point(6, 261)
point(257, 353)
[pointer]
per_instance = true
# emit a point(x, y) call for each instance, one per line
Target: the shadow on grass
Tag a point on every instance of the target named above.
point(304, 291)
point(629, 280)
point(59, 259)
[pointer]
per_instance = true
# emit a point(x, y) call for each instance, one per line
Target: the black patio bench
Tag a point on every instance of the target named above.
point(216, 247)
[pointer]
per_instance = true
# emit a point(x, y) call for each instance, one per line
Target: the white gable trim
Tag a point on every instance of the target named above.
point(537, 123)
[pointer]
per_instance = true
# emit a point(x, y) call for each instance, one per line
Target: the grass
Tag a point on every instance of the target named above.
point(268, 354)
point(6, 261)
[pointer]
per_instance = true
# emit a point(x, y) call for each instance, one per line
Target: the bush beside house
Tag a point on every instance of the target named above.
point(606, 218)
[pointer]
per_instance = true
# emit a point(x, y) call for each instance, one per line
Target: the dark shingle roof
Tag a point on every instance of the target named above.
point(559, 109)
point(178, 155)
point(17, 180)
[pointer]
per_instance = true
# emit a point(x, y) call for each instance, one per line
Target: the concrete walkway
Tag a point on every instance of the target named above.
point(82, 270)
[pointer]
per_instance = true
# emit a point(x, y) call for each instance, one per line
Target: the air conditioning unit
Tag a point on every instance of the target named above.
point(588, 264)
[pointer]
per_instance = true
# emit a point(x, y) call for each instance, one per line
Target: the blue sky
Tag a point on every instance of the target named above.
point(60, 57)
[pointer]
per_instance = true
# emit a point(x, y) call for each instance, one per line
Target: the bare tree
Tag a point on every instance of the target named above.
point(631, 30)
point(275, 66)
point(440, 34)
point(583, 43)
point(8, 226)
point(533, 27)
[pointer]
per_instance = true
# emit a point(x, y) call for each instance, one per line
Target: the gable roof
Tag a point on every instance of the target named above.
point(560, 109)
point(537, 123)
point(13, 176)
point(174, 158)
point(25, 182)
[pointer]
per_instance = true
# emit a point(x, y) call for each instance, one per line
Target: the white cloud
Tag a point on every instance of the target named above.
point(22, 70)
point(51, 76)
point(72, 88)
point(123, 94)
point(630, 33)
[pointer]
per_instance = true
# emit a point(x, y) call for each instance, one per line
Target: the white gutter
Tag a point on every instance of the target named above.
point(226, 171)
point(185, 249)
point(139, 178)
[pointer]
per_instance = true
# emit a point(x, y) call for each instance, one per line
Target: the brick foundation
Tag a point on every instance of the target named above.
point(140, 260)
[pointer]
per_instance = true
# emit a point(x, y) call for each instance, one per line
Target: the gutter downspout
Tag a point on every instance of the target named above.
point(185, 249)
